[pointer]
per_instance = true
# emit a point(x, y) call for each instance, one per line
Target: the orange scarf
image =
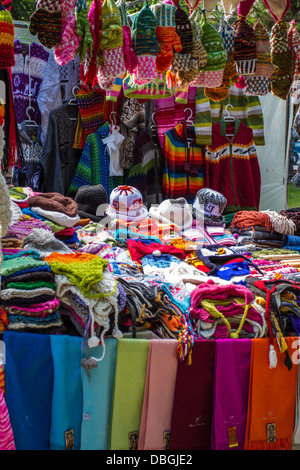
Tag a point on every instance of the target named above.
point(272, 398)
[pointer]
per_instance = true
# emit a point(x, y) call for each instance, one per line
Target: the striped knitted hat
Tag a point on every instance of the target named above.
point(181, 60)
point(213, 45)
point(244, 48)
point(144, 33)
point(7, 32)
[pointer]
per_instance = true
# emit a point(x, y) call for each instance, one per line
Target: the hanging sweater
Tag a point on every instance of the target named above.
point(245, 108)
point(93, 166)
point(232, 168)
point(183, 173)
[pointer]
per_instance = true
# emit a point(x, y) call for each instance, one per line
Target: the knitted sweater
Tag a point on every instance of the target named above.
point(245, 108)
point(233, 168)
point(183, 173)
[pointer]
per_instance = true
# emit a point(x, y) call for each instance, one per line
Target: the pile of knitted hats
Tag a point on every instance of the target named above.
point(225, 311)
point(28, 292)
point(88, 293)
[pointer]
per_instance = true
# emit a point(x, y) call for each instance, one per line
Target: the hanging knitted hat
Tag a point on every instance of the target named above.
point(259, 84)
point(166, 35)
point(294, 42)
point(145, 45)
point(244, 48)
point(88, 69)
point(282, 57)
point(7, 33)
point(230, 77)
point(211, 75)
point(227, 33)
point(65, 51)
point(181, 60)
point(198, 53)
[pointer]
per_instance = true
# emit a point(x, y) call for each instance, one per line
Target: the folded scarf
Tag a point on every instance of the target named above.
point(15, 265)
point(157, 406)
point(270, 419)
point(28, 388)
point(66, 404)
point(247, 219)
point(34, 323)
point(33, 276)
point(54, 202)
point(97, 387)
point(128, 395)
point(193, 400)
point(231, 387)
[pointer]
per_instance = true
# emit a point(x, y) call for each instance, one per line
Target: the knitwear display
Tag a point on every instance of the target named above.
point(245, 53)
point(281, 57)
point(7, 33)
point(46, 22)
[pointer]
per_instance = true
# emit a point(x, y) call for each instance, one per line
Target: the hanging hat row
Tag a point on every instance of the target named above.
point(165, 50)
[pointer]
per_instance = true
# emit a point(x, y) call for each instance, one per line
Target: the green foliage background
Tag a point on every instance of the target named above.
point(22, 9)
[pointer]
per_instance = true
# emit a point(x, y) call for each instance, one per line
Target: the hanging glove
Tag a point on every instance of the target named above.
point(84, 34)
point(46, 22)
point(65, 51)
point(169, 41)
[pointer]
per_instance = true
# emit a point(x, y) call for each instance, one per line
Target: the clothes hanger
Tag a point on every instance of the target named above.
point(73, 102)
point(24, 38)
point(229, 118)
point(31, 126)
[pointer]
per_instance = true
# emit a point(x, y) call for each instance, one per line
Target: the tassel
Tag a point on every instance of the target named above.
point(272, 357)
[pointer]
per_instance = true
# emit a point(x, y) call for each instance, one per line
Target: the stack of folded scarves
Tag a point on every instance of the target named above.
point(69, 236)
point(225, 311)
point(28, 293)
point(18, 231)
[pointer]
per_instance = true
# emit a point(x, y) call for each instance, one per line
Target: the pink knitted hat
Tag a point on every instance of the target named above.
point(66, 49)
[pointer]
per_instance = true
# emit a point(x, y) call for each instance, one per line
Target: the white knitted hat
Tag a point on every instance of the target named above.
point(126, 203)
point(173, 211)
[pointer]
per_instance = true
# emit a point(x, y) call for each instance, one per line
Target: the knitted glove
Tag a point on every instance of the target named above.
point(146, 70)
point(168, 40)
point(198, 60)
point(66, 50)
point(47, 26)
point(282, 57)
point(114, 66)
point(84, 33)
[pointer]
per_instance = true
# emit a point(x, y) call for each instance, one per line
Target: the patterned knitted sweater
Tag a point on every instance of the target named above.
point(233, 168)
point(245, 108)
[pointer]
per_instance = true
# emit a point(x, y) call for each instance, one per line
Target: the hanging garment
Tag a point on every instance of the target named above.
point(30, 173)
point(66, 403)
point(59, 159)
point(132, 120)
point(30, 63)
point(183, 173)
point(56, 88)
point(28, 388)
point(232, 167)
point(128, 394)
point(145, 174)
point(97, 385)
point(270, 418)
point(93, 166)
point(231, 387)
point(113, 143)
point(193, 400)
point(157, 406)
point(245, 108)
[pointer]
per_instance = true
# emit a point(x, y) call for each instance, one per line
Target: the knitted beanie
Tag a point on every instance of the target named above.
point(145, 45)
point(259, 84)
point(65, 51)
point(244, 48)
point(213, 45)
point(227, 33)
point(91, 199)
point(166, 35)
point(230, 77)
point(294, 42)
point(282, 57)
point(7, 32)
point(46, 22)
point(126, 203)
point(45, 243)
point(181, 60)
point(209, 206)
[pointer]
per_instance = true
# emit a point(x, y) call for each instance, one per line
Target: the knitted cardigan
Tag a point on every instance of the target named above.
point(245, 108)
point(232, 168)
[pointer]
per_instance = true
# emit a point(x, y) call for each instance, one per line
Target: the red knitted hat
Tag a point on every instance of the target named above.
point(244, 48)
point(7, 32)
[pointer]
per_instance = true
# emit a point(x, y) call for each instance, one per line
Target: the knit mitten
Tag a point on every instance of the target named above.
point(7, 57)
point(230, 76)
point(84, 34)
point(46, 22)
point(282, 57)
point(66, 50)
point(181, 60)
point(130, 57)
point(168, 40)
point(114, 66)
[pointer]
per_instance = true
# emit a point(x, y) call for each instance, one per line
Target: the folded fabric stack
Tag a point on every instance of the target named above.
point(88, 293)
point(58, 211)
point(18, 231)
point(69, 236)
point(225, 311)
point(28, 293)
point(294, 215)
point(265, 229)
